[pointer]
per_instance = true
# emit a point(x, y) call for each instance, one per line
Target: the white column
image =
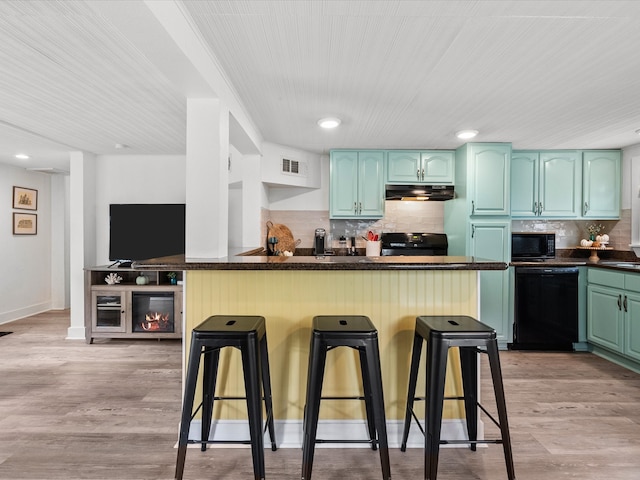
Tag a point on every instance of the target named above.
point(59, 242)
point(207, 189)
point(252, 201)
point(82, 236)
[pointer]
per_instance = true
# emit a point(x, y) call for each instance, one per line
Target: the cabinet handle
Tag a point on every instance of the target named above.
point(535, 208)
point(540, 208)
point(423, 174)
point(418, 174)
point(473, 231)
point(355, 208)
point(473, 207)
point(586, 208)
point(625, 303)
point(619, 302)
point(359, 208)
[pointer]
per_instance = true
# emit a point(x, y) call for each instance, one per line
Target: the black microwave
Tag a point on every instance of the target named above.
point(532, 246)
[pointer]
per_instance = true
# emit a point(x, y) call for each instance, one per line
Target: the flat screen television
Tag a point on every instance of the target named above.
point(138, 231)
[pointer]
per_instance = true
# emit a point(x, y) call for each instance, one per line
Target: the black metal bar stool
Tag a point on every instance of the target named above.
point(248, 334)
point(467, 333)
point(329, 332)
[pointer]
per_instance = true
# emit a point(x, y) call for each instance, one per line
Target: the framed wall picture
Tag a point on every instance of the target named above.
point(25, 223)
point(25, 198)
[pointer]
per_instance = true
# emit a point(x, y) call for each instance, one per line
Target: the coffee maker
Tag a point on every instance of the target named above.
point(318, 246)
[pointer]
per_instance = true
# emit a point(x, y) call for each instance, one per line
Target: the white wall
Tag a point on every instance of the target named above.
point(295, 198)
point(25, 285)
point(134, 179)
point(631, 188)
point(310, 167)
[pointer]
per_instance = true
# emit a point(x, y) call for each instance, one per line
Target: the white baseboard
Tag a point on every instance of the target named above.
point(289, 433)
point(76, 333)
point(6, 317)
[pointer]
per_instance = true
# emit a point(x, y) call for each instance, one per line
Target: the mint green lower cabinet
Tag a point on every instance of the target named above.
point(613, 316)
point(632, 326)
point(605, 317)
point(490, 240)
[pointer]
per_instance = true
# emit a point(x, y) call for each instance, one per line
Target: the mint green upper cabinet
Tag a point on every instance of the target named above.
point(524, 184)
point(432, 167)
point(489, 178)
point(437, 167)
point(404, 167)
point(560, 184)
point(545, 184)
point(601, 184)
point(371, 184)
point(356, 184)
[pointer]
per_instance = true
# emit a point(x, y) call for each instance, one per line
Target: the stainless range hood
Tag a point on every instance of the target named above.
point(419, 192)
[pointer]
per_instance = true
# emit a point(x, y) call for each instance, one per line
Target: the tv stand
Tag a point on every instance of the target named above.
point(133, 308)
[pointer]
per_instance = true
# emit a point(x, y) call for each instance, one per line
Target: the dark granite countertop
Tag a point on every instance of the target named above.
point(338, 262)
point(617, 260)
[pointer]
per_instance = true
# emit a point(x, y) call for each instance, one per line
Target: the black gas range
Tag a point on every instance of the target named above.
point(414, 244)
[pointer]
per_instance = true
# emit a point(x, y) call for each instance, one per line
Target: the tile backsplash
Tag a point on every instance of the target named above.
point(429, 217)
point(399, 217)
point(570, 232)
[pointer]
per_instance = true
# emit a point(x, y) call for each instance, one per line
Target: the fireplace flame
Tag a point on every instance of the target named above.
point(154, 321)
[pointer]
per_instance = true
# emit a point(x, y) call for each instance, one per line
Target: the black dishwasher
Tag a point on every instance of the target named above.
point(546, 308)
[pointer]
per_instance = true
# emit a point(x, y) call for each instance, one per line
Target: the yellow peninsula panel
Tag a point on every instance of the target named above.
point(289, 299)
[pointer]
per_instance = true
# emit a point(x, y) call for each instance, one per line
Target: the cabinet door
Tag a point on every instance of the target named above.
point(524, 184)
point(108, 309)
point(601, 184)
point(490, 179)
point(604, 317)
point(371, 184)
point(438, 167)
point(490, 240)
point(560, 184)
point(404, 167)
point(343, 186)
point(632, 325)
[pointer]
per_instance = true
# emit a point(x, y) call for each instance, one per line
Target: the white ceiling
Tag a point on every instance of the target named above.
point(86, 75)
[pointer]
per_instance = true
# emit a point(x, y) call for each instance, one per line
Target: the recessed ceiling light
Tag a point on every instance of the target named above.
point(466, 134)
point(120, 146)
point(22, 156)
point(329, 122)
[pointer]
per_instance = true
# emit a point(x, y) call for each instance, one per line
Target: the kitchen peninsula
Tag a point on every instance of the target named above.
point(290, 291)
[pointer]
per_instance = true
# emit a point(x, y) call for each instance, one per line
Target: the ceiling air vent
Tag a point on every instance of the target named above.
point(294, 167)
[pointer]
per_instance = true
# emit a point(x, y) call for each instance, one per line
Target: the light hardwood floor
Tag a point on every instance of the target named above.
point(108, 411)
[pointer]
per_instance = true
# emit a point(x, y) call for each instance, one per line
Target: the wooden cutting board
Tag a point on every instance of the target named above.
point(284, 236)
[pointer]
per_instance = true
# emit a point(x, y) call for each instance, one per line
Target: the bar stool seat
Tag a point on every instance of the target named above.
point(248, 334)
point(467, 333)
point(357, 332)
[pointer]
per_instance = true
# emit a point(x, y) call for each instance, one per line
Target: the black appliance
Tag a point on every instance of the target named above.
point(419, 192)
point(318, 244)
point(531, 246)
point(546, 308)
point(414, 244)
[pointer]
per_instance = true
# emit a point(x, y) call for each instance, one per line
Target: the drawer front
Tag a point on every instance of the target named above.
point(607, 278)
point(632, 282)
